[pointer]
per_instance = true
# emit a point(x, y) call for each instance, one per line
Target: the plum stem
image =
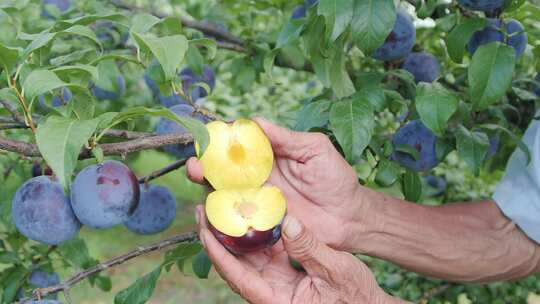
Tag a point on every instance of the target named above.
point(80, 276)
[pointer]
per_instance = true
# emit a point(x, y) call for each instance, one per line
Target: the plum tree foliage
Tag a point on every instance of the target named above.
point(425, 99)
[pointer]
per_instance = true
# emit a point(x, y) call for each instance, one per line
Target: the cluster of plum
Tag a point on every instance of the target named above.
point(101, 196)
point(426, 68)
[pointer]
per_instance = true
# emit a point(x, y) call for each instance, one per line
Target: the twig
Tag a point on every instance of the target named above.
point(127, 134)
point(13, 111)
point(121, 148)
point(12, 125)
point(158, 173)
point(78, 277)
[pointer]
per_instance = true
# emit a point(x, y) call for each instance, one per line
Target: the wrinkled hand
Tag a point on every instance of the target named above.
point(267, 276)
point(320, 187)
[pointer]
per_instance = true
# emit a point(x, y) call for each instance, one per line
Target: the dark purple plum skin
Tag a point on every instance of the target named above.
point(156, 211)
point(400, 41)
point(105, 195)
point(424, 67)
point(166, 126)
point(416, 135)
point(482, 5)
point(252, 241)
point(494, 32)
point(43, 302)
point(42, 212)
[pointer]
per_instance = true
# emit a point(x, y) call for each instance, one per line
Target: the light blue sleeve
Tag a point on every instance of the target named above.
point(518, 194)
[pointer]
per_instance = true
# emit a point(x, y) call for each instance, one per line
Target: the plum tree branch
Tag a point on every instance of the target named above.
point(122, 148)
point(78, 277)
point(224, 39)
point(158, 173)
point(13, 111)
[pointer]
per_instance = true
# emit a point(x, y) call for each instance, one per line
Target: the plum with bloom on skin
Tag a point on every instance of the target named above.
point(495, 32)
point(42, 212)
point(418, 137)
point(105, 195)
point(156, 210)
point(400, 41)
point(424, 66)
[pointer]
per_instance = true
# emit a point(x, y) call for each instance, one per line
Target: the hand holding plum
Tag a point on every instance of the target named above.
point(318, 184)
point(267, 276)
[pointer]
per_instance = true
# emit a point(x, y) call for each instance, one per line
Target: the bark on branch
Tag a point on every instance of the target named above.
point(122, 148)
point(78, 277)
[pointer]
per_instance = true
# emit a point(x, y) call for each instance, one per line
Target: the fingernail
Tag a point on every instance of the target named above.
point(292, 227)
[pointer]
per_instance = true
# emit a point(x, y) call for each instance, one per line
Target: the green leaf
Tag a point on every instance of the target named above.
point(352, 123)
point(9, 257)
point(372, 22)
point(40, 82)
point(459, 37)
point(83, 31)
point(201, 265)
point(60, 141)
point(209, 44)
point(87, 20)
point(472, 147)
point(168, 50)
point(387, 173)
point(78, 71)
point(38, 42)
point(435, 105)
point(289, 32)
point(76, 253)
point(313, 115)
point(339, 77)
point(195, 127)
point(180, 254)
point(140, 291)
point(142, 23)
point(12, 282)
point(521, 145)
point(104, 283)
point(411, 186)
point(8, 57)
point(490, 73)
point(338, 15)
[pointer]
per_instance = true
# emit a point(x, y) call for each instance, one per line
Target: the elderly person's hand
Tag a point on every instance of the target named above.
point(321, 188)
point(268, 277)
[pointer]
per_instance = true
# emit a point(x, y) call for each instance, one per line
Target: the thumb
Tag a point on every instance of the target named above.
point(302, 246)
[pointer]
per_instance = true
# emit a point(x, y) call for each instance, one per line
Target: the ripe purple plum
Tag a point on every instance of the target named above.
point(252, 241)
point(400, 41)
point(510, 32)
point(156, 211)
point(42, 212)
point(424, 66)
point(105, 195)
point(106, 94)
point(246, 220)
point(416, 136)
